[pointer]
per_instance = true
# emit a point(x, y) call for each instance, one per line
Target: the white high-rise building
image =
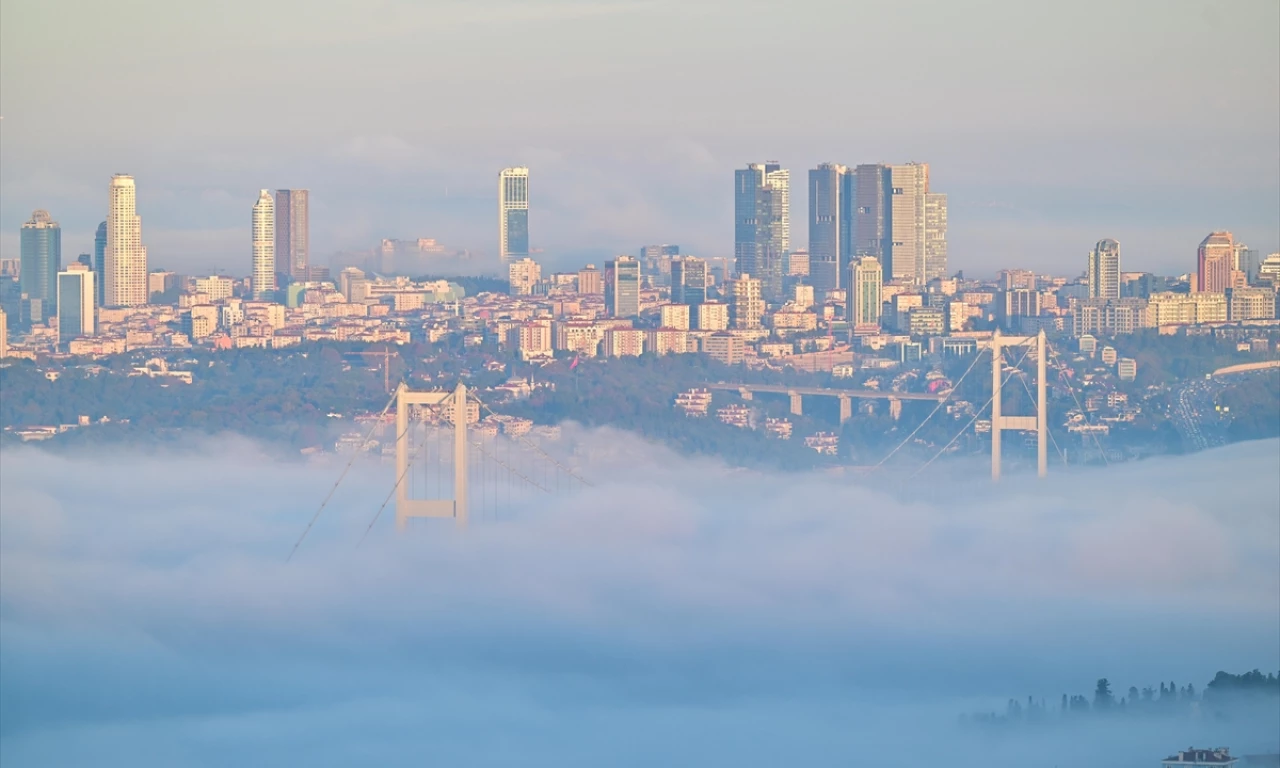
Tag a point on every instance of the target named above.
point(513, 214)
point(263, 278)
point(1104, 270)
point(909, 191)
point(125, 259)
point(935, 236)
point(523, 275)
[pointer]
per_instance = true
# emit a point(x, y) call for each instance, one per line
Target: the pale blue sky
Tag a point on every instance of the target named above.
point(1050, 125)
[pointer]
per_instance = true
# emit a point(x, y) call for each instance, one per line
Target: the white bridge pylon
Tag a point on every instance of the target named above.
point(457, 506)
point(1000, 422)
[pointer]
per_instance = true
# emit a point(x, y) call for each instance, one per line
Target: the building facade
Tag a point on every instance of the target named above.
point(125, 257)
point(100, 262)
point(622, 286)
point(935, 236)
point(76, 297)
point(513, 214)
point(292, 233)
point(523, 275)
point(41, 252)
point(762, 224)
point(1104, 270)
point(831, 216)
point(864, 295)
point(746, 302)
point(590, 281)
point(909, 190)
point(1214, 259)
point(262, 279)
point(689, 280)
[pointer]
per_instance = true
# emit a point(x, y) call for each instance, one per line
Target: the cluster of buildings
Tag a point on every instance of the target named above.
point(874, 278)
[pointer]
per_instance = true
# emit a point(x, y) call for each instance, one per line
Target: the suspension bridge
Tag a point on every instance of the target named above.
point(450, 464)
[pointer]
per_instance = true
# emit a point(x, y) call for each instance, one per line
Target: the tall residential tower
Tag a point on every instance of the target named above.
point(125, 260)
point(293, 235)
point(1213, 262)
point(263, 278)
point(935, 236)
point(1104, 270)
point(909, 191)
point(513, 214)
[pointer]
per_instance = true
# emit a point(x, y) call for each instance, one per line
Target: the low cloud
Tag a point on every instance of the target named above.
point(678, 610)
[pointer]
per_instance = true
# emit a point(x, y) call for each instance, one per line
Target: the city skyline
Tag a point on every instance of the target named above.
point(926, 248)
point(1031, 191)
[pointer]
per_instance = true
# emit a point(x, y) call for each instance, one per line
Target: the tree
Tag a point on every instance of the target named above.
point(1102, 697)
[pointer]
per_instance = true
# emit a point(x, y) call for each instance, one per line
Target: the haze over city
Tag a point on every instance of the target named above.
point(1051, 126)
point(585, 383)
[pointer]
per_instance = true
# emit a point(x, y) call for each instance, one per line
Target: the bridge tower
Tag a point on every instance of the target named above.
point(456, 507)
point(1000, 422)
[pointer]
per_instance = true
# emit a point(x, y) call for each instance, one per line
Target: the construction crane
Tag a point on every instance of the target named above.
point(385, 353)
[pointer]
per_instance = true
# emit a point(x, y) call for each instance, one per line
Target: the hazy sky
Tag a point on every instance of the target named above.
point(1051, 125)
point(676, 613)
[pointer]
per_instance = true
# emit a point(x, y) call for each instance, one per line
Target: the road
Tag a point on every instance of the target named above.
point(1195, 417)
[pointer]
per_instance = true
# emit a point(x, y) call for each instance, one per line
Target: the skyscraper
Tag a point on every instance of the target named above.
point(909, 189)
point(100, 262)
point(871, 224)
point(1213, 262)
point(41, 251)
point(622, 286)
point(831, 224)
point(762, 224)
point(864, 295)
point(125, 259)
point(293, 235)
point(1246, 261)
point(263, 277)
point(935, 236)
point(75, 303)
point(1104, 270)
point(688, 280)
point(513, 214)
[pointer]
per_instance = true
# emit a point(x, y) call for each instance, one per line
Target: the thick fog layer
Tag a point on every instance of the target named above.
point(677, 612)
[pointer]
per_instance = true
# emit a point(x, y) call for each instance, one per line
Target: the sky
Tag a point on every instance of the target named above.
point(678, 612)
point(1050, 125)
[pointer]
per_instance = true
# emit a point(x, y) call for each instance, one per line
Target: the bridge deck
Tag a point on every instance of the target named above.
point(826, 392)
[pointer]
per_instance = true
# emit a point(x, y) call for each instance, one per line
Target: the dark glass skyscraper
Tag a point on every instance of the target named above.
point(513, 214)
point(832, 191)
point(762, 224)
point(41, 252)
point(873, 226)
point(99, 261)
point(622, 286)
point(688, 280)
